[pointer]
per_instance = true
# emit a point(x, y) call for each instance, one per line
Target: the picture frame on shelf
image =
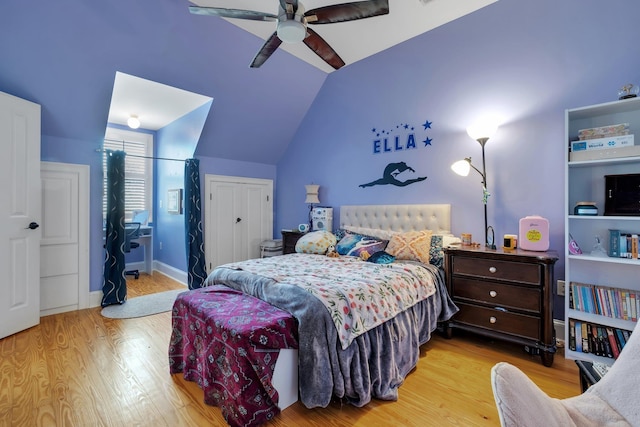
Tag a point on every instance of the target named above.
point(174, 201)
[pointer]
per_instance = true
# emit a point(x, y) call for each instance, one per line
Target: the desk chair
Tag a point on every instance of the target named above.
point(131, 232)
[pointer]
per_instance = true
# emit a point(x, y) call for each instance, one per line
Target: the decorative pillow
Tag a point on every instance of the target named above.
point(353, 244)
point(315, 242)
point(339, 233)
point(436, 254)
point(412, 245)
point(373, 232)
point(381, 257)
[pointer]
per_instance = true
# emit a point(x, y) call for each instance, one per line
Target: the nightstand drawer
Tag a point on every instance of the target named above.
point(496, 269)
point(497, 294)
point(499, 321)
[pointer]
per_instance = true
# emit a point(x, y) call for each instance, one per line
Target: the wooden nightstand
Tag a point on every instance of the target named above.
point(504, 294)
point(289, 240)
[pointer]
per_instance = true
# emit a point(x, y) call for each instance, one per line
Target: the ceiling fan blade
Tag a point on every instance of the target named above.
point(347, 11)
point(265, 52)
point(322, 49)
point(233, 13)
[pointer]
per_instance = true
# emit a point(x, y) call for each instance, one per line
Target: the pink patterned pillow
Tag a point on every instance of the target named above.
point(412, 245)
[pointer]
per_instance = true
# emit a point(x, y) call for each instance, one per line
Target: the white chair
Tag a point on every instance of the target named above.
point(612, 401)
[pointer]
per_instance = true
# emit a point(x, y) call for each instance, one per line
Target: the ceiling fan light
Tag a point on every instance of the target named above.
point(291, 31)
point(133, 122)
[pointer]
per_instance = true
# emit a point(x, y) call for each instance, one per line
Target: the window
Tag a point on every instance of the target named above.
point(138, 185)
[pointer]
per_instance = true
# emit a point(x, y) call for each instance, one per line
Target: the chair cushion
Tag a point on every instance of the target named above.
point(521, 403)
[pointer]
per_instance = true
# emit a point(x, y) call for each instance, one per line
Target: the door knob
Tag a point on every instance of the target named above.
point(33, 226)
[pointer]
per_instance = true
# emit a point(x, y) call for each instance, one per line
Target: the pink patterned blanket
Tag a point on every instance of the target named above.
point(228, 343)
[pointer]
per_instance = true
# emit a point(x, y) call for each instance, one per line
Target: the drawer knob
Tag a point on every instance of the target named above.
point(493, 294)
point(492, 269)
point(492, 319)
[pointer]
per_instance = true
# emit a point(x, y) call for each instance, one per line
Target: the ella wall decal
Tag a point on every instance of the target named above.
point(399, 138)
point(389, 176)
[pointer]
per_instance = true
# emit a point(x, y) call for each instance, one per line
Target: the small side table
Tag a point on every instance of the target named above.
point(289, 240)
point(588, 375)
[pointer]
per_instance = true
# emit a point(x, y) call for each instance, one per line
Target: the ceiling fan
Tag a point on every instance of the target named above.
point(292, 24)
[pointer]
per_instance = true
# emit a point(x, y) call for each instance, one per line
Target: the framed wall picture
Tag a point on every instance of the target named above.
point(174, 201)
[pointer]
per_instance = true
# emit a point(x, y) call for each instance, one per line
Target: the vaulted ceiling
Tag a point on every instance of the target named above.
point(353, 40)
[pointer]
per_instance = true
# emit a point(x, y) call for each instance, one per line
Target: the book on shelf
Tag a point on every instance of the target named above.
point(606, 301)
point(600, 340)
point(623, 244)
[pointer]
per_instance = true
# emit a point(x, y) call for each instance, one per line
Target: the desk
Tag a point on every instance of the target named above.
point(146, 242)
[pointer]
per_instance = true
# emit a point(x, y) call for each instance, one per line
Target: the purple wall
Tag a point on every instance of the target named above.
point(175, 141)
point(525, 61)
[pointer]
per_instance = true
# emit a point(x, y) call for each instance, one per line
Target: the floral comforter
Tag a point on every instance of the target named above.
point(358, 297)
point(376, 362)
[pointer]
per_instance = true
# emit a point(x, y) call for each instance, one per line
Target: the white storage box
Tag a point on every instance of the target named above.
point(269, 248)
point(603, 143)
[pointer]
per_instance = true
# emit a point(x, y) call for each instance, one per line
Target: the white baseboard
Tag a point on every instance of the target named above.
point(174, 273)
point(558, 325)
point(95, 297)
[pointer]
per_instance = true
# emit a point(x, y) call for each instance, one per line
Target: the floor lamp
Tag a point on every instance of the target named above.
point(480, 133)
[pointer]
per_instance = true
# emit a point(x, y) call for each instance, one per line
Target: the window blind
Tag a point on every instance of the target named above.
point(138, 173)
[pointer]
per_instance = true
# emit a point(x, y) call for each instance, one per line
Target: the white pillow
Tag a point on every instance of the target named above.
point(316, 242)
point(373, 232)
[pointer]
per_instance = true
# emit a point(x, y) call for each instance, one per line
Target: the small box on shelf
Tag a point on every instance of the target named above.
point(608, 153)
point(602, 143)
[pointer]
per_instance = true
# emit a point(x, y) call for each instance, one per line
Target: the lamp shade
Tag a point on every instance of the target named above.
point(461, 167)
point(482, 130)
point(312, 193)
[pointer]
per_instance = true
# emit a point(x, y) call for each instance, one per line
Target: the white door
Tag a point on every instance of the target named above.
point(19, 214)
point(238, 217)
point(64, 247)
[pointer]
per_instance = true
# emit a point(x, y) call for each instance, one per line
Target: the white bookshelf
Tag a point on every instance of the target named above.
point(584, 181)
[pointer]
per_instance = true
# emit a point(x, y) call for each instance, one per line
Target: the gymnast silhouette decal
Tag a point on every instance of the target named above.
point(391, 172)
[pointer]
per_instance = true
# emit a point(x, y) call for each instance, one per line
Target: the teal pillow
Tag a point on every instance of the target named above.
point(381, 257)
point(436, 254)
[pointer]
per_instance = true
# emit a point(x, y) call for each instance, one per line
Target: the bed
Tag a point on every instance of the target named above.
point(340, 354)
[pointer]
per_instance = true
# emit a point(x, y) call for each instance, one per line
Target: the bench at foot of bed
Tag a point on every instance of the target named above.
point(241, 351)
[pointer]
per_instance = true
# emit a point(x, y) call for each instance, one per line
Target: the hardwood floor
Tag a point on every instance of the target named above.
point(81, 369)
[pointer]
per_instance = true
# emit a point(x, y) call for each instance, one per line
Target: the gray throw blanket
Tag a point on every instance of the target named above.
point(373, 366)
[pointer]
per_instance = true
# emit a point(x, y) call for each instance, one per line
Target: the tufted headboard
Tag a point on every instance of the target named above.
point(398, 217)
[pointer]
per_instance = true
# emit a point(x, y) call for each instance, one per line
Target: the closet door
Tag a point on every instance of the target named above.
point(238, 217)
